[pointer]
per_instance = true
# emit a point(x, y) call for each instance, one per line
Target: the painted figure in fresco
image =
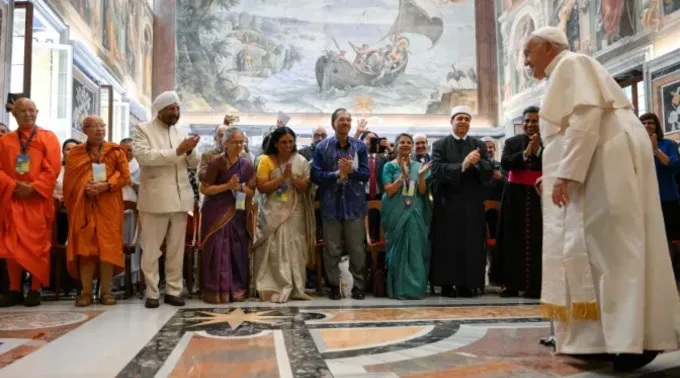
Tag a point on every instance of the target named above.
point(132, 41)
point(670, 6)
point(567, 18)
point(616, 19)
point(84, 8)
point(651, 15)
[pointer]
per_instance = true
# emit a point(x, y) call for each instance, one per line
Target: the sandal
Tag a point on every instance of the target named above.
point(107, 300)
point(84, 300)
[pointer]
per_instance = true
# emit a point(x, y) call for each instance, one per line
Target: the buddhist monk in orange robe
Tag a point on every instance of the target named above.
point(30, 162)
point(96, 173)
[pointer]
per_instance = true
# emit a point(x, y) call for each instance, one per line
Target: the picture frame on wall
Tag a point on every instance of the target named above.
point(85, 102)
point(662, 76)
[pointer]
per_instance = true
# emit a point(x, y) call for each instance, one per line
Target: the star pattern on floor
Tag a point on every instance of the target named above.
point(238, 317)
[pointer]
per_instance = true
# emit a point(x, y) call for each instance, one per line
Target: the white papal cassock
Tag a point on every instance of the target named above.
point(607, 276)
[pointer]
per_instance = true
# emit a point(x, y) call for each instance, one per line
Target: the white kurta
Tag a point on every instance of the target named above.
point(592, 137)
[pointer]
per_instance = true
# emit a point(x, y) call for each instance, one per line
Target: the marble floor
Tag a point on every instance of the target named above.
point(485, 337)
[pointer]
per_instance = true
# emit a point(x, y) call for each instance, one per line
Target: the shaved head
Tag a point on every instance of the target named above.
point(25, 112)
point(95, 129)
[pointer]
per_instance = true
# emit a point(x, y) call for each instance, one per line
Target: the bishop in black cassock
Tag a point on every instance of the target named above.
point(518, 257)
point(461, 169)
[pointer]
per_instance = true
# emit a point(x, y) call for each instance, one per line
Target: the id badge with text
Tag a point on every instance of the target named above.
point(409, 190)
point(23, 164)
point(240, 201)
point(98, 172)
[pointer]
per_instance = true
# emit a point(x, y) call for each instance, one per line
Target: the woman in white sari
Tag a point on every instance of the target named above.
point(284, 241)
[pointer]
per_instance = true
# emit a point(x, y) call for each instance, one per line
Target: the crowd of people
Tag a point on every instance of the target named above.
point(584, 221)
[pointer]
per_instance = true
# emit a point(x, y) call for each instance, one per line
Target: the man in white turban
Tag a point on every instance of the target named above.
point(165, 153)
point(607, 276)
point(461, 170)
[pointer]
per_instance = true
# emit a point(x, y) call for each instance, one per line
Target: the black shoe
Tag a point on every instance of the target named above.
point(509, 293)
point(152, 303)
point(173, 300)
point(465, 292)
point(358, 294)
point(33, 299)
point(629, 362)
point(449, 291)
point(12, 298)
point(335, 294)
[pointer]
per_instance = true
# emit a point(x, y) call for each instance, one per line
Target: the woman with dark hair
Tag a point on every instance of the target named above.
point(667, 164)
point(227, 221)
point(284, 241)
point(406, 215)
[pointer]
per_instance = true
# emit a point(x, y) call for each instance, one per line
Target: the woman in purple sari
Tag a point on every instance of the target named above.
point(227, 222)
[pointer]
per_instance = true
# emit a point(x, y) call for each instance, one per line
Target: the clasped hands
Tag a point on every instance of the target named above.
point(94, 188)
point(534, 145)
point(472, 159)
point(23, 189)
point(345, 167)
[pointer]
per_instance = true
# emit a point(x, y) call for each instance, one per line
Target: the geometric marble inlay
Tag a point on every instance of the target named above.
point(370, 315)
point(336, 339)
point(36, 320)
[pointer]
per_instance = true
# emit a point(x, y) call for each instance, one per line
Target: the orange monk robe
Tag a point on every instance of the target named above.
point(26, 223)
point(95, 223)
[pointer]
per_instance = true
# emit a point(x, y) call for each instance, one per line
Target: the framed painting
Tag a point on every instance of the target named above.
point(662, 76)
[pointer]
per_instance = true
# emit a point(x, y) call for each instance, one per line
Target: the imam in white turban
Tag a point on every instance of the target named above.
point(551, 34)
point(164, 100)
point(461, 109)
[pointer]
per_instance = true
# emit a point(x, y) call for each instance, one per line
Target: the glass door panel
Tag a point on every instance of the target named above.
point(51, 86)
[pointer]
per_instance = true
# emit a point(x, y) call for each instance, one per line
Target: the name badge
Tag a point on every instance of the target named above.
point(409, 189)
point(98, 172)
point(240, 201)
point(23, 164)
point(281, 194)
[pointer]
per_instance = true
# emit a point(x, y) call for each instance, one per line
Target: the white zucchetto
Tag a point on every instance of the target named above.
point(551, 34)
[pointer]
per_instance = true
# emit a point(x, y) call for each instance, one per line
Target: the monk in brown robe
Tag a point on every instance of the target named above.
point(30, 162)
point(95, 175)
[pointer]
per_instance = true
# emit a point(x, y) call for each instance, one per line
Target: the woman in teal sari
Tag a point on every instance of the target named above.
point(406, 215)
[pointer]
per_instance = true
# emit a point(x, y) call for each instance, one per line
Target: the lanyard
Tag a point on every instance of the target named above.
point(24, 147)
point(99, 153)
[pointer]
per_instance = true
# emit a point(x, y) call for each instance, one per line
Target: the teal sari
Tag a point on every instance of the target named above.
point(407, 230)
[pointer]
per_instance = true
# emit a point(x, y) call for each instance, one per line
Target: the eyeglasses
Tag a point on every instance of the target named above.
point(319, 135)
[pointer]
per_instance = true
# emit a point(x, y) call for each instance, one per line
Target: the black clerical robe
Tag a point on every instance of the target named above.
point(458, 224)
point(517, 261)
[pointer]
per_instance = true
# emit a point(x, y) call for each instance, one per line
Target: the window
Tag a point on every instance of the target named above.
point(634, 88)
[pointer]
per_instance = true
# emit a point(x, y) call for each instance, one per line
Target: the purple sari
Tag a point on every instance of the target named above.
point(227, 234)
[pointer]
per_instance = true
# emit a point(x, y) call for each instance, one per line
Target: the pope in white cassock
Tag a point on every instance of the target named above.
point(607, 277)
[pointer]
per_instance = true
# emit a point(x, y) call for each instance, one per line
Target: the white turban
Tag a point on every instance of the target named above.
point(164, 100)
point(551, 34)
point(461, 109)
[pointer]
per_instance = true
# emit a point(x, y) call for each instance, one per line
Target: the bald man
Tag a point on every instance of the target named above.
point(607, 275)
point(318, 134)
point(30, 162)
point(206, 156)
point(96, 173)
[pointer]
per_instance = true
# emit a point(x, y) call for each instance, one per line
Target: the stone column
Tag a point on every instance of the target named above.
point(163, 47)
point(487, 68)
